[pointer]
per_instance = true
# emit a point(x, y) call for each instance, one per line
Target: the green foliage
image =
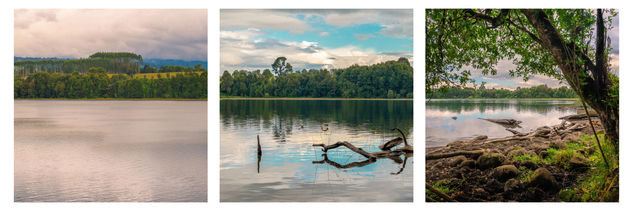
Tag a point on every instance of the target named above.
point(114, 63)
point(594, 186)
point(457, 41)
point(525, 174)
point(528, 158)
point(384, 80)
point(441, 186)
point(97, 84)
point(541, 91)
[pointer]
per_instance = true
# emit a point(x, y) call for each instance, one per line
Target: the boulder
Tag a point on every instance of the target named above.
point(505, 172)
point(543, 178)
point(517, 152)
point(579, 163)
point(511, 185)
point(490, 160)
point(529, 164)
point(468, 163)
point(457, 160)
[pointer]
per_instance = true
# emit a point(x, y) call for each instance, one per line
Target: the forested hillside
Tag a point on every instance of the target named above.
point(112, 62)
point(392, 79)
point(106, 75)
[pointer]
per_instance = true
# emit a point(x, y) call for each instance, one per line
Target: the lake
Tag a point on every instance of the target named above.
point(442, 129)
point(291, 169)
point(110, 151)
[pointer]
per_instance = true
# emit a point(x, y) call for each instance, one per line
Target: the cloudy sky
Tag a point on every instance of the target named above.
point(77, 33)
point(252, 39)
point(504, 80)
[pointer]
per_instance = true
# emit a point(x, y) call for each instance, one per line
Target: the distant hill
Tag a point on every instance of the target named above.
point(17, 58)
point(157, 63)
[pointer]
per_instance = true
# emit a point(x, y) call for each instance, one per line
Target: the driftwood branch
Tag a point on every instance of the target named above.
point(390, 144)
point(516, 133)
point(348, 145)
point(578, 116)
point(475, 153)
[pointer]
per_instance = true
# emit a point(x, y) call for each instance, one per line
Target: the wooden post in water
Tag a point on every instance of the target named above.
point(259, 154)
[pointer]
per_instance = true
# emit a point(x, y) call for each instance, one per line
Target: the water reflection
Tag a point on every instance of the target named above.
point(457, 120)
point(110, 151)
point(287, 131)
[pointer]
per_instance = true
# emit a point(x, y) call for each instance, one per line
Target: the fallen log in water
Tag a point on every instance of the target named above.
point(578, 116)
point(390, 144)
point(504, 122)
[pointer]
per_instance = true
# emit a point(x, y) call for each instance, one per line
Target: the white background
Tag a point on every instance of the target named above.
point(6, 103)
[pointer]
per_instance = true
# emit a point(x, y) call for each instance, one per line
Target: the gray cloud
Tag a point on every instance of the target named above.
point(238, 51)
point(397, 22)
point(165, 34)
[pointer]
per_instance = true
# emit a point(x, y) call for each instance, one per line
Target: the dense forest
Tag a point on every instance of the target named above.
point(106, 75)
point(541, 91)
point(392, 79)
point(98, 84)
point(171, 68)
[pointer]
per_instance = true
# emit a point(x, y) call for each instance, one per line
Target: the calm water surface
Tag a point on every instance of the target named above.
point(292, 170)
point(110, 151)
point(441, 129)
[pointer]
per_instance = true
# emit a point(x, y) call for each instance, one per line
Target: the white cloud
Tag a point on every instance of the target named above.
point(237, 47)
point(324, 34)
point(268, 19)
point(167, 34)
point(396, 22)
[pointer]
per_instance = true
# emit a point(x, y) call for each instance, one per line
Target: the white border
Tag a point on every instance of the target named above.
point(6, 101)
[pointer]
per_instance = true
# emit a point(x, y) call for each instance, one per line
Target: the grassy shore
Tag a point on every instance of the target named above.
point(119, 99)
point(306, 98)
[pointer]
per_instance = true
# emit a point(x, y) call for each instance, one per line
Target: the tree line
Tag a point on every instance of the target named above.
point(171, 69)
point(541, 91)
point(392, 79)
point(96, 83)
point(112, 62)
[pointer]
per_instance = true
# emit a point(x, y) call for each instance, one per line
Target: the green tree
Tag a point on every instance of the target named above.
point(553, 42)
point(280, 67)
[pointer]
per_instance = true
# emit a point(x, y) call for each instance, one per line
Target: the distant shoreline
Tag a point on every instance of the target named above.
point(116, 99)
point(309, 98)
point(503, 99)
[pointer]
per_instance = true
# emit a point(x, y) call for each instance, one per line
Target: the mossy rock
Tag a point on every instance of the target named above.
point(468, 163)
point(517, 152)
point(457, 160)
point(529, 164)
point(490, 160)
point(579, 163)
point(543, 178)
point(505, 172)
point(511, 184)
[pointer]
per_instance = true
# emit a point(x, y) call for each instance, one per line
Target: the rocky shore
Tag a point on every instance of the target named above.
point(543, 165)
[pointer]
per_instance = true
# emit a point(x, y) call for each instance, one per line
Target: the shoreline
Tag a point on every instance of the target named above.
point(552, 163)
point(569, 99)
point(310, 98)
point(110, 99)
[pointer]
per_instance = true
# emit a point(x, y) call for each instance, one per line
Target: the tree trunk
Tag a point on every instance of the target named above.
point(594, 88)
